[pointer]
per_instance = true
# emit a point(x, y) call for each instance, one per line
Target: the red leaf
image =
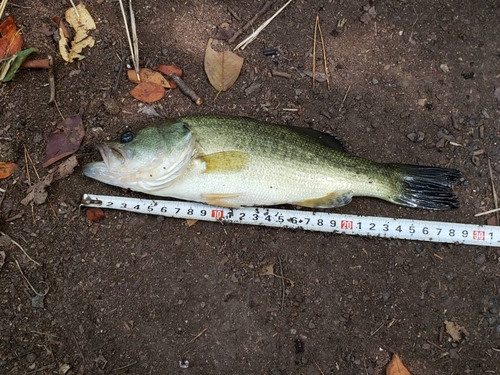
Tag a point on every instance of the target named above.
point(168, 70)
point(94, 214)
point(148, 92)
point(11, 40)
point(65, 140)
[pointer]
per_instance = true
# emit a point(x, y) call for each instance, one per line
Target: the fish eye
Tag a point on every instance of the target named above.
point(127, 137)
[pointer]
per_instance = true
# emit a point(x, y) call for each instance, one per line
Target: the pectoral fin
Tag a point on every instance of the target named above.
point(225, 161)
point(221, 199)
point(335, 199)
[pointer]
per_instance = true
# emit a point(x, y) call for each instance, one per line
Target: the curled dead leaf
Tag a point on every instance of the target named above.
point(6, 169)
point(455, 330)
point(148, 92)
point(11, 40)
point(82, 22)
point(222, 68)
point(94, 214)
point(396, 367)
point(148, 75)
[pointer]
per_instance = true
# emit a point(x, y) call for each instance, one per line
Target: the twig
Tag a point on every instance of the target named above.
point(198, 336)
point(41, 369)
point(76, 10)
point(495, 196)
point(20, 247)
point(129, 40)
point(345, 97)
point(52, 84)
point(234, 14)
point(78, 347)
point(262, 10)
point(324, 55)
point(120, 71)
point(282, 285)
point(487, 212)
point(319, 368)
point(185, 89)
point(3, 4)
point(26, 279)
point(124, 367)
point(135, 40)
point(314, 51)
point(254, 35)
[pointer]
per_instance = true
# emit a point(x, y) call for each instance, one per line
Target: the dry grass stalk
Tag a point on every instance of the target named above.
point(134, 53)
point(3, 4)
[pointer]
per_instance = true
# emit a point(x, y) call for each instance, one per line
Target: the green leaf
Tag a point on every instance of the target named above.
point(20, 57)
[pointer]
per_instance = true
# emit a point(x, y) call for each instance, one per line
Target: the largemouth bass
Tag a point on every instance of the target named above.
point(233, 161)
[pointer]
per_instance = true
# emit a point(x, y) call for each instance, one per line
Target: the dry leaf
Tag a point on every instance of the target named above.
point(94, 214)
point(148, 92)
point(191, 222)
point(168, 70)
point(37, 192)
point(455, 330)
point(65, 140)
point(224, 31)
point(222, 68)
point(148, 75)
point(396, 367)
point(82, 23)
point(11, 40)
point(267, 270)
point(6, 169)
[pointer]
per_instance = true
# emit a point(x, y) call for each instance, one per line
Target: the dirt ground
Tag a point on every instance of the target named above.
point(412, 82)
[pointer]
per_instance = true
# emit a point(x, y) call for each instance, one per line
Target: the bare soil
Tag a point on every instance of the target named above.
point(129, 294)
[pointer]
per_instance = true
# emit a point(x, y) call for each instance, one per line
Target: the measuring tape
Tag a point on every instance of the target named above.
point(407, 229)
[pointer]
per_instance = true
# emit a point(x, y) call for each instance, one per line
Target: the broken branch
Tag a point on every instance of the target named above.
point(185, 89)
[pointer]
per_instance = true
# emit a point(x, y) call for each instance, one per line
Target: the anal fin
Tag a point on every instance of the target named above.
point(222, 200)
point(335, 199)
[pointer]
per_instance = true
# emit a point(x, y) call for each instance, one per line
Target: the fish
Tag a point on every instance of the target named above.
point(237, 161)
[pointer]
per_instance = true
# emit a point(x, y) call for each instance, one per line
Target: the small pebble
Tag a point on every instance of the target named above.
point(453, 354)
point(480, 259)
point(375, 81)
point(386, 296)
point(164, 51)
point(31, 358)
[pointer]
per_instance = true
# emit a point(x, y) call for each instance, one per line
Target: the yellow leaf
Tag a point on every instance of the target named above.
point(396, 367)
point(148, 75)
point(267, 270)
point(222, 68)
point(82, 23)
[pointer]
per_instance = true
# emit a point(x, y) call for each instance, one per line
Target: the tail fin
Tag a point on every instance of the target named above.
point(427, 187)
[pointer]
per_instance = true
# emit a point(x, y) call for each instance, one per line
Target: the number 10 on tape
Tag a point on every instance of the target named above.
point(418, 230)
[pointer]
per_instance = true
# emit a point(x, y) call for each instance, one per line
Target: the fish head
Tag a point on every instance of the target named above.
point(149, 158)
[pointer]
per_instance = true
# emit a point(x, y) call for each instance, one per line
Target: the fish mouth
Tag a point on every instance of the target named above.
point(102, 170)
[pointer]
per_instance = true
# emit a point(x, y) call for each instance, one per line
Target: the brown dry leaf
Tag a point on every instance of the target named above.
point(94, 214)
point(191, 222)
point(148, 92)
point(82, 23)
point(148, 75)
point(11, 40)
point(168, 70)
point(224, 31)
point(65, 140)
point(37, 192)
point(455, 330)
point(6, 169)
point(222, 68)
point(267, 270)
point(396, 367)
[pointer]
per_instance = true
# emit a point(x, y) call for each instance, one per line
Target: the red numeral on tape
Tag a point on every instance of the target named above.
point(218, 214)
point(346, 224)
point(479, 235)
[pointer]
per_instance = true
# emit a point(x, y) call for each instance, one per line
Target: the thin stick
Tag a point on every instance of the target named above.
point(74, 7)
point(198, 336)
point(185, 89)
point(19, 246)
point(120, 71)
point(319, 368)
point(27, 166)
point(124, 367)
point(345, 97)
point(26, 279)
point(52, 83)
point(282, 285)
point(135, 40)
point(234, 14)
point(262, 10)
point(254, 35)
point(3, 4)
point(487, 212)
point(495, 196)
point(128, 38)
point(324, 54)
point(314, 50)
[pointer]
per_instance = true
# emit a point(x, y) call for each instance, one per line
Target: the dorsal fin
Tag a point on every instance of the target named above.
point(317, 136)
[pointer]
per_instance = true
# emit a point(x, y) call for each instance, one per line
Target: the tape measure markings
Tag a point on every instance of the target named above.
point(418, 230)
